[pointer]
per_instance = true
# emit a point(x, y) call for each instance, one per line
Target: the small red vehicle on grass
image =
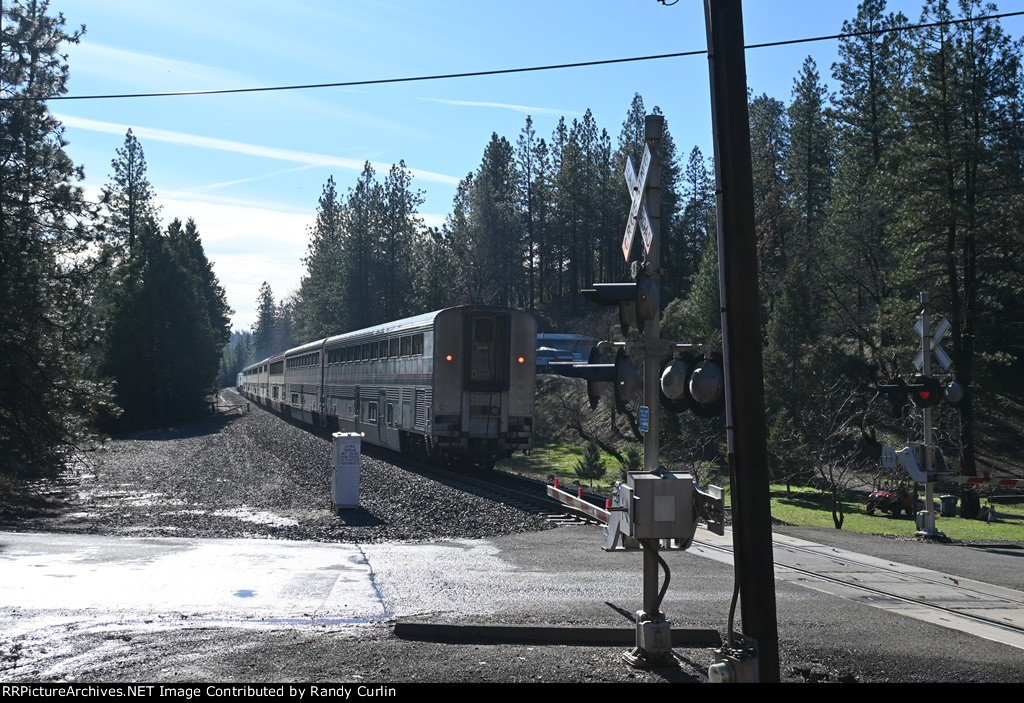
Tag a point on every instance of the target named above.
point(893, 502)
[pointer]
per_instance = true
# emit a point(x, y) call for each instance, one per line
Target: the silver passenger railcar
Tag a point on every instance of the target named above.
point(450, 385)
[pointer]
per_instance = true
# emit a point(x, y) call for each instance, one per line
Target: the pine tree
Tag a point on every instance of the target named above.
point(960, 185)
point(192, 255)
point(360, 270)
point(590, 466)
point(130, 198)
point(47, 390)
point(809, 163)
point(872, 75)
point(697, 224)
point(400, 225)
point(530, 192)
point(321, 310)
point(163, 347)
point(264, 330)
point(485, 228)
point(773, 222)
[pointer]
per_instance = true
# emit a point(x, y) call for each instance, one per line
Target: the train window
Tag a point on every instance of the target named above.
point(417, 344)
point(295, 398)
point(371, 411)
point(406, 346)
point(383, 349)
point(393, 350)
point(366, 352)
point(483, 330)
point(391, 415)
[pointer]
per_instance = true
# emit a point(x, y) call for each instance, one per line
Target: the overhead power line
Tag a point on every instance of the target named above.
point(506, 71)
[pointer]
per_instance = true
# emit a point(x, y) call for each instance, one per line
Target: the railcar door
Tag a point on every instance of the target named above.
point(486, 378)
point(487, 340)
point(382, 416)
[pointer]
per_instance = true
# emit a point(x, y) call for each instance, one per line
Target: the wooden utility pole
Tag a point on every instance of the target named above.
point(741, 334)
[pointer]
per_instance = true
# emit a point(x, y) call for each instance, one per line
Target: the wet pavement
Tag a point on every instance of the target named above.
point(73, 607)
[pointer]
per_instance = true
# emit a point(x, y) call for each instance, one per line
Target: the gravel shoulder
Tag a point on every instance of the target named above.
point(248, 473)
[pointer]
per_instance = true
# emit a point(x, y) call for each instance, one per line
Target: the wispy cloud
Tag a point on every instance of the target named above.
point(305, 158)
point(237, 181)
point(155, 73)
point(525, 109)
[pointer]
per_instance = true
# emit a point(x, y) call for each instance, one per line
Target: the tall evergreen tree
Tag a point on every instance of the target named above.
point(872, 75)
point(960, 186)
point(697, 223)
point(321, 310)
point(46, 277)
point(190, 252)
point(400, 225)
point(773, 222)
point(360, 271)
point(433, 271)
point(493, 227)
point(535, 195)
point(264, 330)
point(163, 350)
point(130, 199)
point(809, 163)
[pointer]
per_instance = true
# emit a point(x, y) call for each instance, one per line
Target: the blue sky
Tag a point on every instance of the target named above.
point(249, 168)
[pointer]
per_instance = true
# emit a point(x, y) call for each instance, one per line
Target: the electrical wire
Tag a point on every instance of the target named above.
point(507, 71)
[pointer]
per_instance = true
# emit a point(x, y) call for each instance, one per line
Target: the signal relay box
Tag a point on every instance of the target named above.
point(661, 505)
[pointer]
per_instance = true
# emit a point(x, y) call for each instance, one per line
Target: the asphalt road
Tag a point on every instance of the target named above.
point(90, 608)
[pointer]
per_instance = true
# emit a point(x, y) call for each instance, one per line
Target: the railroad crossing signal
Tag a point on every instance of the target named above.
point(636, 184)
point(687, 384)
point(638, 301)
point(650, 524)
point(923, 391)
point(621, 375)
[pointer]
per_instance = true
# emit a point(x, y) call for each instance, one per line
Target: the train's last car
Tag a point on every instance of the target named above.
point(455, 385)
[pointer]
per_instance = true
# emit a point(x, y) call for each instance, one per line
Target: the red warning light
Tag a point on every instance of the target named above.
point(449, 357)
point(521, 359)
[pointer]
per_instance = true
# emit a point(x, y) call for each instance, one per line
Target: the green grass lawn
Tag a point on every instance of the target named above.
point(560, 461)
point(808, 507)
point(803, 507)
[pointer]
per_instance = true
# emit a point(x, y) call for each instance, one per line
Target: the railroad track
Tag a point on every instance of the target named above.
point(992, 612)
point(526, 494)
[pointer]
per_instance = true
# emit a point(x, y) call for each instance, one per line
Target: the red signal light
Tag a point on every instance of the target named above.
point(449, 357)
point(521, 359)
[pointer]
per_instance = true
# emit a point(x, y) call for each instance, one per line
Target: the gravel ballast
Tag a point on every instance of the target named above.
point(245, 472)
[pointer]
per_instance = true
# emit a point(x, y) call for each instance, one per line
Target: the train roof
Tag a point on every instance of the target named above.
point(408, 323)
point(423, 321)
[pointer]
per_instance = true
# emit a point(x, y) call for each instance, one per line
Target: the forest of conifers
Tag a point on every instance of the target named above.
point(905, 176)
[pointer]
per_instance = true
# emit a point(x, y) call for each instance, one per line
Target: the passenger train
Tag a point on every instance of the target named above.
point(454, 385)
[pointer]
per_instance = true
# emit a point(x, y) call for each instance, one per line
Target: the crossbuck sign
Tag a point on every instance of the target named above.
point(940, 354)
point(636, 184)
